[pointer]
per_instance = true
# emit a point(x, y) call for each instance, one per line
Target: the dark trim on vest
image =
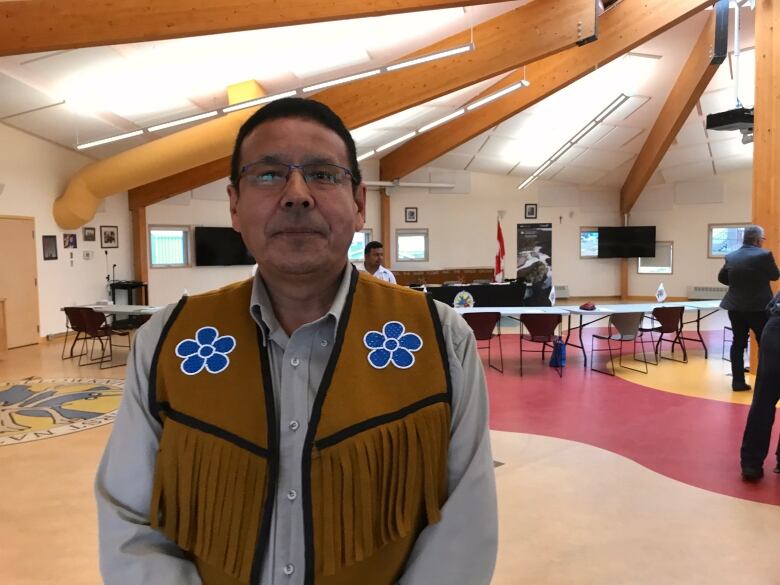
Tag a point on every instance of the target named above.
point(380, 420)
point(314, 419)
point(194, 423)
point(154, 408)
point(264, 530)
point(442, 346)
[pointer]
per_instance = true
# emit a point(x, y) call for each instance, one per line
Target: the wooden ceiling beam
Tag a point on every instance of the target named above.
point(32, 26)
point(499, 47)
point(622, 28)
point(707, 54)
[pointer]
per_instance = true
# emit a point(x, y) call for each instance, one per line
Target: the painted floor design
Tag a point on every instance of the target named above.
point(692, 439)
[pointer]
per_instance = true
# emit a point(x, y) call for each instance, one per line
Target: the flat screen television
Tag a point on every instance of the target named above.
point(220, 246)
point(627, 242)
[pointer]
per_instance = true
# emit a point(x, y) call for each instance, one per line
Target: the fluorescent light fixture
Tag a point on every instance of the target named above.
point(527, 182)
point(392, 143)
point(109, 140)
point(498, 94)
point(581, 134)
point(341, 80)
point(606, 112)
point(441, 121)
point(432, 57)
point(182, 121)
point(613, 105)
point(366, 155)
point(259, 101)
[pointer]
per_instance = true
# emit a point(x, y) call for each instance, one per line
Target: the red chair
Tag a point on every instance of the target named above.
point(93, 326)
point(483, 325)
point(669, 328)
point(541, 329)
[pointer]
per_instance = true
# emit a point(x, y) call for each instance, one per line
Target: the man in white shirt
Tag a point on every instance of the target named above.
point(374, 255)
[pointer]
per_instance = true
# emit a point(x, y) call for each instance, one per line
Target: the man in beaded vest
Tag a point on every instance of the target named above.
point(310, 425)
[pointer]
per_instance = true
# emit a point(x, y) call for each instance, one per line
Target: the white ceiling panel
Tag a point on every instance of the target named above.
point(522, 171)
point(619, 136)
point(579, 175)
point(472, 146)
point(687, 172)
point(570, 155)
point(18, 97)
point(487, 164)
point(692, 133)
point(497, 146)
point(592, 137)
point(677, 155)
point(63, 126)
point(720, 100)
point(453, 161)
point(733, 147)
point(722, 78)
point(513, 125)
point(634, 146)
point(605, 160)
point(378, 139)
point(734, 163)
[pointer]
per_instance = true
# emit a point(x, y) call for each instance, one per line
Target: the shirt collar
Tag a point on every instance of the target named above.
point(262, 311)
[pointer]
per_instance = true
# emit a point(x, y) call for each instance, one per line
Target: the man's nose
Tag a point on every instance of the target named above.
point(296, 191)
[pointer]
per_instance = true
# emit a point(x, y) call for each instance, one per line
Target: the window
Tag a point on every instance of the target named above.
point(411, 245)
point(724, 238)
point(661, 264)
point(589, 242)
point(169, 246)
point(358, 245)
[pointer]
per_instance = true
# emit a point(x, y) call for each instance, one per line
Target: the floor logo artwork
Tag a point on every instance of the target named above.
point(38, 408)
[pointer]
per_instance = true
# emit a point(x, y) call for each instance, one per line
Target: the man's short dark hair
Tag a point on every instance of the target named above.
point(372, 246)
point(300, 108)
point(752, 234)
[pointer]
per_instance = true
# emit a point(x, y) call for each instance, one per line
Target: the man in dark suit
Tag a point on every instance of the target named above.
point(747, 273)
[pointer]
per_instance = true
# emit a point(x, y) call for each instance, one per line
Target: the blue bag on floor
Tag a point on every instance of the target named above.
point(558, 357)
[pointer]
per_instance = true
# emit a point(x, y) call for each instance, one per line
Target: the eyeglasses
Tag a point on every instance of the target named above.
point(272, 176)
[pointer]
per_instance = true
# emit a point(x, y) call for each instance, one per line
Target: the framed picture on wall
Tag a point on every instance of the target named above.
point(410, 214)
point(88, 233)
point(530, 211)
point(49, 247)
point(109, 236)
point(69, 241)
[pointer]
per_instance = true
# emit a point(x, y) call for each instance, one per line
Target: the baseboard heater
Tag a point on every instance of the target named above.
point(706, 293)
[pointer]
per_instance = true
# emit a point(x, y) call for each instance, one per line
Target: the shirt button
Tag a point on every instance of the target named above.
point(294, 425)
point(291, 495)
point(289, 569)
point(324, 342)
point(295, 362)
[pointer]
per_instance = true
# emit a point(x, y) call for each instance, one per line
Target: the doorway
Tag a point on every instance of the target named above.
point(19, 280)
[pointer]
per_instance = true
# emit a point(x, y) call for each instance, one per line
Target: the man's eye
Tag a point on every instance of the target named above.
point(267, 176)
point(323, 176)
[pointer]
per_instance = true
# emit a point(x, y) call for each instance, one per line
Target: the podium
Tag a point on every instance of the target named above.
point(136, 293)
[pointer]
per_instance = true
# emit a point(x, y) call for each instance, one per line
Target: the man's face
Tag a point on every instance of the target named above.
point(296, 230)
point(375, 257)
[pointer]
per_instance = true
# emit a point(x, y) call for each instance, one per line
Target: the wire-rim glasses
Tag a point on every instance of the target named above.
point(273, 176)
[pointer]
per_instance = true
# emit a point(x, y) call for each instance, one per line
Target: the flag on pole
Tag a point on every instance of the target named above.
point(660, 294)
point(498, 270)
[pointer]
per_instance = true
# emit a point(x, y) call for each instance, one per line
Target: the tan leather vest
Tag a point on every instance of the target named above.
point(375, 456)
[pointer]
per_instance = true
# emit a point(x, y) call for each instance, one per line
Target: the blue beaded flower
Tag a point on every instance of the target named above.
point(392, 345)
point(207, 349)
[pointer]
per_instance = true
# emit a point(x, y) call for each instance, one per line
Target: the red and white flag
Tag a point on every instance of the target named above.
point(498, 270)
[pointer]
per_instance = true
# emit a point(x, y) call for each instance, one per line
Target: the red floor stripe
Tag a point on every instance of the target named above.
point(692, 440)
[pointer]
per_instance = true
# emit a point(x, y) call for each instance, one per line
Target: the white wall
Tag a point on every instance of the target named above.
point(35, 173)
point(681, 214)
point(462, 227)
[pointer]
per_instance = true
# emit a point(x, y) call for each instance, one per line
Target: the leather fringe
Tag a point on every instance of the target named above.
point(196, 471)
point(375, 485)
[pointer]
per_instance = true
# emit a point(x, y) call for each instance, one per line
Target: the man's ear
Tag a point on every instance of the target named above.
point(232, 192)
point(360, 202)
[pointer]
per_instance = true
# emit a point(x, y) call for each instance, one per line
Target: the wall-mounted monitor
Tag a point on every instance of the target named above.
point(220, 246)
point(627, 242)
